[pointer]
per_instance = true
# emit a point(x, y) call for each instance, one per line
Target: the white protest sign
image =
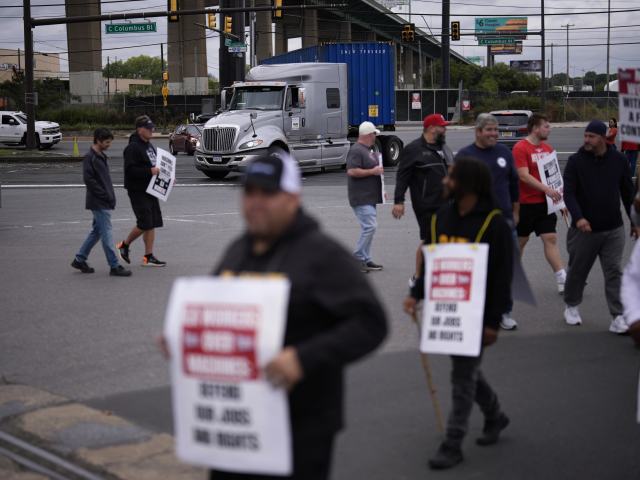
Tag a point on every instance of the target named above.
point(629, 104)
point(455, 285)
point(161, 185)
point(221, 333)
point(551, 176)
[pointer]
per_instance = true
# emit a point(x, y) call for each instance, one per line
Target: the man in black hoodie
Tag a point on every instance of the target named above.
point(139, 167)
point(422, 166)
point(472, 217)
point(333, 317)
point(596, 178)
point(101, 200)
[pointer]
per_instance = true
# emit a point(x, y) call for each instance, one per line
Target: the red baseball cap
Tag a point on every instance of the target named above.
point(435, 120)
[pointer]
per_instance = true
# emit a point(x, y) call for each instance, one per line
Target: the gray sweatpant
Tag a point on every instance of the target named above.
point(583, 250)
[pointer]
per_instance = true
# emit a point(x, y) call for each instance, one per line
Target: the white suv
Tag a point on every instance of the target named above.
point(13, 130)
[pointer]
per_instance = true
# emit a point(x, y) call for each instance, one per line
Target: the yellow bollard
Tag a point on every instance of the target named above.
point(76, 150)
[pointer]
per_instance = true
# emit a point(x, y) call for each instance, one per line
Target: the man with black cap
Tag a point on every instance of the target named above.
point(596, 178)
point(139, 167)
point(422, 165)
point(334, 317)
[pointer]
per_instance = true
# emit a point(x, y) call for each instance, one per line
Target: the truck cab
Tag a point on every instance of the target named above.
point(13, 130)
point(299, 108)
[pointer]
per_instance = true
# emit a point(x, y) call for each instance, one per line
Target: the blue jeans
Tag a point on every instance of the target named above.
point(366, 215)
point(101, 230)
point(632, 156)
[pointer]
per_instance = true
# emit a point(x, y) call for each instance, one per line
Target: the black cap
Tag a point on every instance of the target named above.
point(143, 121)
point(274, 172)
point(597, 127)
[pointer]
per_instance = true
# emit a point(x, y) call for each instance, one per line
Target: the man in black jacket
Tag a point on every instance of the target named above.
point(596, 178)
point(100, 199)
point(139, 167)
point(422, 166)
point(472, 210)
point(333, 318)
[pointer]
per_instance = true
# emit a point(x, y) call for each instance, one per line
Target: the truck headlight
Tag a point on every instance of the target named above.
point(197, 143)
point(250, 144)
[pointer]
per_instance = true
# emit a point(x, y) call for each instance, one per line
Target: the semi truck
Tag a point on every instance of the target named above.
point(308, 103)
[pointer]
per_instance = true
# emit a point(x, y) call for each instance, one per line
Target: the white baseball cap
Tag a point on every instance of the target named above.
point(366, 128)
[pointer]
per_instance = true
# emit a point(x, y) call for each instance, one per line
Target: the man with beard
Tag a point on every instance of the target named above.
point(534, 193)
point(472, 211)
point(596, 178)
point(422, 166)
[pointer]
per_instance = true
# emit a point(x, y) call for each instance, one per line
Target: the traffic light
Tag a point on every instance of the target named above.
point(212, 21)
point(228, 26)
point(408, 33)
point(277, 13)
point(172, 6)
point(165, 76)
point(455, 31)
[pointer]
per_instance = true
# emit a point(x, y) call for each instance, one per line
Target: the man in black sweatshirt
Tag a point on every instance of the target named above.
point(139, 168)
point(333, 318)
point(596, 178)
point(101, 200)
point(473, 216)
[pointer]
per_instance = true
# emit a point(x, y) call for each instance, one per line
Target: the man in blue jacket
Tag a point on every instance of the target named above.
point(100, 199)
point(596, 178)
point(505, 180)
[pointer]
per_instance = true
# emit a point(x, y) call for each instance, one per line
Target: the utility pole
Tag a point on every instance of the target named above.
point(567, 27)
point(543, 86)
point(608, 48)
point(109, 79)
point(232, 64)
point(30, 141)
point(552, 64)
point(445, 40)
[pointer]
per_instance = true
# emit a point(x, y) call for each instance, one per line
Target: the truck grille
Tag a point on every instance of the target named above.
point(219, 139)
point(50, 131)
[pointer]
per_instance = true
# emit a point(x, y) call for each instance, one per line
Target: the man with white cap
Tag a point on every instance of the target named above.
point(333, 318)
point(365, 191)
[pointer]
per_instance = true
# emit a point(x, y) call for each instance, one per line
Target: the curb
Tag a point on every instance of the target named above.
point(98, 441)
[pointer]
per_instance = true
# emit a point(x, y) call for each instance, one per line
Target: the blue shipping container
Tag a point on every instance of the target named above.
point(371, 76)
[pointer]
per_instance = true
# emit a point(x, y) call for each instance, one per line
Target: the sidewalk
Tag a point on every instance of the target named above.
point(98, 441)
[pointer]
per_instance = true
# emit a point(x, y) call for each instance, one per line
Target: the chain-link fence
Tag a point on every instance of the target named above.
point(588, 108)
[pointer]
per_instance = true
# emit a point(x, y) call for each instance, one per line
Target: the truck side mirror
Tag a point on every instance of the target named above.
point(223, 100)
point(301, 98)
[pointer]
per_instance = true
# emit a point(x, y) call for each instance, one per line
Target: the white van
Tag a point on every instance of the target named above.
point(13, 130)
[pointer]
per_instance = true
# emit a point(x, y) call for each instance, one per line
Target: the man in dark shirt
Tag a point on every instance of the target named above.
point(365, 191)
point(101, 200)
point(505, 179)
point(472, 217)
point(596, 178)
point(334, 317)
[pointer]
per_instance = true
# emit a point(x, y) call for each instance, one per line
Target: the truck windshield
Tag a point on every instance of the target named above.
point(21, 118)
point(257, 98)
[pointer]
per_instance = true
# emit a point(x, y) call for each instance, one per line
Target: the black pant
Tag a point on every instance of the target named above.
point(468, 385)
point(311, 460)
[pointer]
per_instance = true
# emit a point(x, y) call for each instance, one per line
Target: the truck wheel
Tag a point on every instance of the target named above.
point(216, 175)
point(391, 148)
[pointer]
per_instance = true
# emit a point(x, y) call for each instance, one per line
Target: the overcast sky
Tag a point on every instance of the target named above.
point(582, 58)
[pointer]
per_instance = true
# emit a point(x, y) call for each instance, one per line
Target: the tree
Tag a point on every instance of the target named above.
point(141, 66)
point(214, 84)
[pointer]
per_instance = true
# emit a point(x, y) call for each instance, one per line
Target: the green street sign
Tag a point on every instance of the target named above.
point(146, 27)
point(227, 42)
point(237, 47)
point(496, 40)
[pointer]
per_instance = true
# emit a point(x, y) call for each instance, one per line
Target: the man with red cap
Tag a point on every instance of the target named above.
point(422, 166)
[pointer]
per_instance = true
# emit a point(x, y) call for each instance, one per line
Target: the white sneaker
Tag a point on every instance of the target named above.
point(507, 322)
point(618, 325)
point(572, 316)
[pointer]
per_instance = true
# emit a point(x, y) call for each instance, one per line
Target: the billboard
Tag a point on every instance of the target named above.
point(526, 65)
point(506, 49)
point(492, 27)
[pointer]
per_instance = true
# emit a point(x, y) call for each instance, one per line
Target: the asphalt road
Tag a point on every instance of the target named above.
point(566, 140)
point(570, 391)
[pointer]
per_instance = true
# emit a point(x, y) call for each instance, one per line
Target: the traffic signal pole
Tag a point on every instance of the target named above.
point(446, 44)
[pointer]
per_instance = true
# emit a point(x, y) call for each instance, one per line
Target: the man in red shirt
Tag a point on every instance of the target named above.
point(533, 193)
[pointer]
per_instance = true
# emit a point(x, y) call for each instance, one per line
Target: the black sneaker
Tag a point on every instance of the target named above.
point(373, 266)
point(82, 266)
point(151, 261)
point(447, 456)
point(123, 249)
point(492, 429)
point(120, 271)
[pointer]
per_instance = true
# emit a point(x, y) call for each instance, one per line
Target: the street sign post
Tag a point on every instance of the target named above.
point(147, 27)
point(237, 47)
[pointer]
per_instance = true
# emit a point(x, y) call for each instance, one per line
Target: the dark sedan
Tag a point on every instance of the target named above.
point(184, 138)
